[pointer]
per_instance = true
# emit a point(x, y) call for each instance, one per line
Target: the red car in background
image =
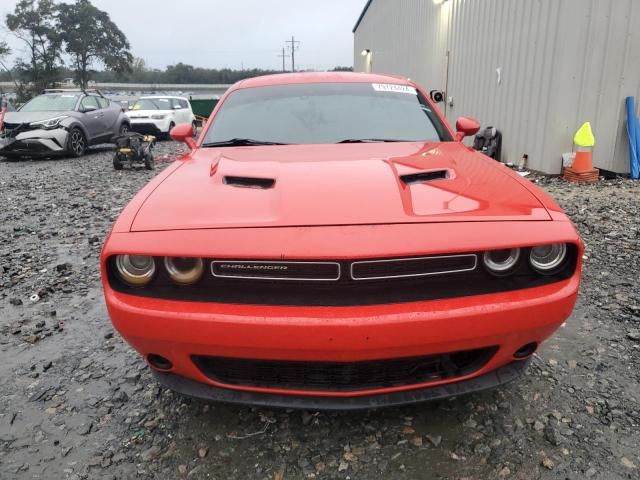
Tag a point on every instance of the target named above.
point(329, 242)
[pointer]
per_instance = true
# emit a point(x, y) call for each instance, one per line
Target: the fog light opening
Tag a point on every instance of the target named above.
point(159, 362)
point(525, 350)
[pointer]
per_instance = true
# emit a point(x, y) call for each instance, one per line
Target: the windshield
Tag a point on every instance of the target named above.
point(326, 113)
point(51, 103)
point(152, 104)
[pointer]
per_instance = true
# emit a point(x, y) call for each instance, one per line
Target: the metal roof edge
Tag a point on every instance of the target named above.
point(362, 14)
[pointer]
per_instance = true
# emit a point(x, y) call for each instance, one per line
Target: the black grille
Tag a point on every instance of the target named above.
point(10, 130)
point(412, 267)
point(343, 376)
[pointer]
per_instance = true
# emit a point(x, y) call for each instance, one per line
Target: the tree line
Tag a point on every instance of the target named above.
point(51, 33)
point(74, 40)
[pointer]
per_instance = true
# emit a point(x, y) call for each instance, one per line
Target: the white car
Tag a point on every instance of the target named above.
point(157, 115)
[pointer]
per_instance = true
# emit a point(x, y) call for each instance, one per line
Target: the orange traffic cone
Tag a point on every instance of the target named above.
point(582, 168)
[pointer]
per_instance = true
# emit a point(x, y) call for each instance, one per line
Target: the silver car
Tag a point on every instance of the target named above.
point(61, 122)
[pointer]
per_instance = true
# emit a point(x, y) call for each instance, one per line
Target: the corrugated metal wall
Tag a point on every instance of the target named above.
point(562, 62)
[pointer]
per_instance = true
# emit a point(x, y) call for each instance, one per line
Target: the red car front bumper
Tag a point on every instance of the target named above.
point(180, 330)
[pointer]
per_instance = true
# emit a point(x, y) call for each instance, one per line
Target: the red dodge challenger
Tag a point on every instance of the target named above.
point(329, 242)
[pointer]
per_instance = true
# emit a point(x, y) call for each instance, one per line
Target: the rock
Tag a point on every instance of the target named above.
point(548, 463)
point(505, 472)
point(349, 457)
point(15, 301)
point(63, 267)
point(435, 440)
point(343, 466)
point(628, 463)
point(538, 425)
point(634, 335)
point(202, 452)
point(150, 454)
point(306, 418)
point(182, 469)
point(552, 435)
point(85, 428)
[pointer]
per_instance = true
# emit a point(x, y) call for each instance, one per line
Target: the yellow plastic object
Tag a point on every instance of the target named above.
point(584, 136)
point(124, 150)
point(148, 138)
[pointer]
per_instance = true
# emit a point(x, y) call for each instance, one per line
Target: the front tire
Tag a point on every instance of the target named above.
point(124, 129)
point(76, 143)
point(167, 135)
point(194, 129)
point(149, 161)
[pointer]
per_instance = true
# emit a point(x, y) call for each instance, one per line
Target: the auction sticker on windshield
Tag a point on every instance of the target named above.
point(391, 87)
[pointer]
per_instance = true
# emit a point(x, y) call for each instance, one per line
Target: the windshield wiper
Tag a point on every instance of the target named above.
point(369, 140)
point(241, 142)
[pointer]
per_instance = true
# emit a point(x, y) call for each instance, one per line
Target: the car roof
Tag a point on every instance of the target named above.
point(320, 77)
point(164, 96)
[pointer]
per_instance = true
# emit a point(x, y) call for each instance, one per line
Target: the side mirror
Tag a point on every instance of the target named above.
point(184, 133)
point(465, 127)
point(88, 109)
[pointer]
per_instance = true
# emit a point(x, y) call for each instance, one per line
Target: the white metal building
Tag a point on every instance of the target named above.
point(535, 69)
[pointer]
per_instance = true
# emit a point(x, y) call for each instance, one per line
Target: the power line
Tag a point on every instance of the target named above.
point(293, 47)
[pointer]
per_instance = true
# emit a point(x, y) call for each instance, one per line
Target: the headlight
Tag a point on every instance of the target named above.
point(184, 270)
point(50, 123)
point(157, 116)
point(501, 262)
point(135, 270)
point(546, 259)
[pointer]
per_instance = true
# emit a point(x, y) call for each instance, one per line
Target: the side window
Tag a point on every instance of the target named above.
point(183, 103)
point(89, 102)
point(175, 103)
point(103, 102)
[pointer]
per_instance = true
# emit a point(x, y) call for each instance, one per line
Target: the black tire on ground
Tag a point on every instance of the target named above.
point(117, 164)
point(149, 161)
point(76, 143)
point(194, 129)
point(167, 135)
point(124, 129)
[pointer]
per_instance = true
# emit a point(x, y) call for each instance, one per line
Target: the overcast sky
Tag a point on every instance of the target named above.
point(231, 33)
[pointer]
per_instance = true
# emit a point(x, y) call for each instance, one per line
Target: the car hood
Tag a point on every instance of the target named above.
point(344, 184)
point(28, 117)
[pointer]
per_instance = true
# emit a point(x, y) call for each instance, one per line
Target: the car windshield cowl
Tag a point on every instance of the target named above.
point(240, 142)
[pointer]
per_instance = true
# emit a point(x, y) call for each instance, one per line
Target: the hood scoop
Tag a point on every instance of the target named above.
point(249, 182)
point(422, 177)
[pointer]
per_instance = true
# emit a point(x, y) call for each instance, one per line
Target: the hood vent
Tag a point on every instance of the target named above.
point(249, 182)
point(422, 177)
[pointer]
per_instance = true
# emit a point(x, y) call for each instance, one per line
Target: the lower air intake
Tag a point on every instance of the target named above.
point(343, 376)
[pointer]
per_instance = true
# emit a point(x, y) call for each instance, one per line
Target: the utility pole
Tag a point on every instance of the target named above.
point(294, 46)
point(283, 55)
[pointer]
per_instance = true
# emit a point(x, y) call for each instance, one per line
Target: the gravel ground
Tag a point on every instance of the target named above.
point(76, 402)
